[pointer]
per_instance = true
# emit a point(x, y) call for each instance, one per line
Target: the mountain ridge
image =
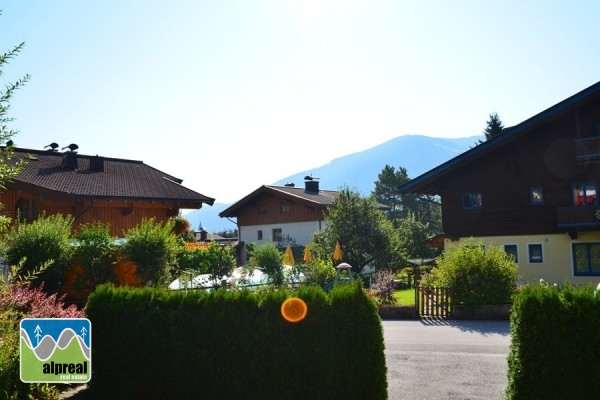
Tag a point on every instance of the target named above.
point(358, 171)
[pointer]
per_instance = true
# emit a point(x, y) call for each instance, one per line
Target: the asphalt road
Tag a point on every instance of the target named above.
point(446, 359)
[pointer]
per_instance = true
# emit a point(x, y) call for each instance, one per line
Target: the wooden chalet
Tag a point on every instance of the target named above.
point(94, 188)
point(532, 189)
point(272, 213)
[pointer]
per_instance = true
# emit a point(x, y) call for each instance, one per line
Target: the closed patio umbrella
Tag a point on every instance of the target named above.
point(288, 256)
point(307, 255)
point(337, 253)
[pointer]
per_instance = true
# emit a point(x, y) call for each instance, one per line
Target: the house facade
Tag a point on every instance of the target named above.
point(92, 188)
point(532, 190)
point(280, 213)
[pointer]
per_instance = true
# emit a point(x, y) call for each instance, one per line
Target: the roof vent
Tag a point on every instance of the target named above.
point(290, 184)
point(97, 164)
point(69, 160)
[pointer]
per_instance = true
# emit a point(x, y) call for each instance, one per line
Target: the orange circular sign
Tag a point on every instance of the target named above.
point(294, 309)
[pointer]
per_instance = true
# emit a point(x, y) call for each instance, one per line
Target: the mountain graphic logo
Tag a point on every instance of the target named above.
point(56, 350)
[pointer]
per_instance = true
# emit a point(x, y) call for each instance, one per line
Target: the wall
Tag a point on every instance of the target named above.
point(557, 265)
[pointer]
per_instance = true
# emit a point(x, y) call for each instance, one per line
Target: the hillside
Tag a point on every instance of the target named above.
point(358, 171)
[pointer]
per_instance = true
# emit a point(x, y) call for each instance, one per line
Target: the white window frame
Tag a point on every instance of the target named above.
point(529, 253)
point(517, 246)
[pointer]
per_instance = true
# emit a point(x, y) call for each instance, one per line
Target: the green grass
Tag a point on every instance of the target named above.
point(405, 297)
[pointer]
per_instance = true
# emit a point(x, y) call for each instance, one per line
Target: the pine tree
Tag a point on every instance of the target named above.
point(8, 169)
point(493, 126)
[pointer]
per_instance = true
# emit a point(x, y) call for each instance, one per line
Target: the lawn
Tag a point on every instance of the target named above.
point(405, 297)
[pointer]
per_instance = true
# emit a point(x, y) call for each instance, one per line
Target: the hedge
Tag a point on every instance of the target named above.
point(555, 345)
point(155, 344)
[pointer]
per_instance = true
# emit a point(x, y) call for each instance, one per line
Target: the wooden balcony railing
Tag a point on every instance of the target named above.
point(588, 149)
point(578, 217)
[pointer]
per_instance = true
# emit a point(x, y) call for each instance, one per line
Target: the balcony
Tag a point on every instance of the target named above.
point(585, 217)
point(587, 150)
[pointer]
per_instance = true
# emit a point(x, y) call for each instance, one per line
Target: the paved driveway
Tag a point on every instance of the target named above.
point(446, 359)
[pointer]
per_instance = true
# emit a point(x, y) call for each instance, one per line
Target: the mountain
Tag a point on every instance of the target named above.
point(358, 171)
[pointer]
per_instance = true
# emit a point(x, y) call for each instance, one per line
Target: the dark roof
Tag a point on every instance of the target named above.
point(113, 179)
point(424, 184)
point(320, 199)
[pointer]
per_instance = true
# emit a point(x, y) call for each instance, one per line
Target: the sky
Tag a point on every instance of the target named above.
point(230, 95)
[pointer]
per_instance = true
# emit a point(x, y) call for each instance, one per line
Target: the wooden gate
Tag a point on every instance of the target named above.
point(434, 301)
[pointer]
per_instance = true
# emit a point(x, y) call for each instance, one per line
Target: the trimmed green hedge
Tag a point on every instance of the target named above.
point(555, 343)
point(155, 344)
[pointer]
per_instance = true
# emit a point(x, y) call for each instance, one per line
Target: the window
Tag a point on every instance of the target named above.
point(277, 235)
point(512, 250)
point(284, 206)
point(586, 259)
point(472, 200)
point(584, 194)
point(259, 235)
point(262, 209)
point(536, 195)
point(536, 253)
point(27, 209)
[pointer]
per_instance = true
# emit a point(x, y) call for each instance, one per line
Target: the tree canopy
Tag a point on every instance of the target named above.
point(365, 235)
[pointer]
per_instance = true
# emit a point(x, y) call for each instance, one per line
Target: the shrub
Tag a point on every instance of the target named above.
point(319, 272)
point(18, 301)
point(554, 351)
point(383, 286)
point(153, 247)
point(478, 275)
point(268, 259)
point(45, 239)
point(95, 251)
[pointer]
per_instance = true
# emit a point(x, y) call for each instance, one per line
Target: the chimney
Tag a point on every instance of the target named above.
point(97, 164)
point(69, 160)
point(311, 186)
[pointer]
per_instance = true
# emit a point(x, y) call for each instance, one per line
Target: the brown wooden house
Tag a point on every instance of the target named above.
point(273, 213)
point(94, 188)
point(532, 189)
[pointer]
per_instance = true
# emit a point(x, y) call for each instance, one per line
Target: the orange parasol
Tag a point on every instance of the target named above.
point(288, 256)
point(337, 253)
point(307, 255)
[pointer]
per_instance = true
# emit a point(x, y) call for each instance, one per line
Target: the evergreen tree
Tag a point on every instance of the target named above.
point(8, 167)
point(493, 126)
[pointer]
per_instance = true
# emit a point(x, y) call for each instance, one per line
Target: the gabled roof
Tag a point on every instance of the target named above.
point(321, 199)
point(424, 184)
point(100, 178)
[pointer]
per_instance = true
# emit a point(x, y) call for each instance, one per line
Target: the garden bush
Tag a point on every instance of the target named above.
point(477, 274)
point(555, 349)
point(268, 259)
point(236, 344)
point(153, 247)
point(95, 252)
point(18, 301)
point(318, 272)
point(45, 240)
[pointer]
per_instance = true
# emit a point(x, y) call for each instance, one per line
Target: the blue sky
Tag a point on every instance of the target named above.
point(230, 95)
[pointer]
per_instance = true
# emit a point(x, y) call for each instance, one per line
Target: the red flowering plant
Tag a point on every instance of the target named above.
point(18, 300)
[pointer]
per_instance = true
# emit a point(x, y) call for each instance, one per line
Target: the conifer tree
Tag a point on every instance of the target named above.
point(493, 126)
